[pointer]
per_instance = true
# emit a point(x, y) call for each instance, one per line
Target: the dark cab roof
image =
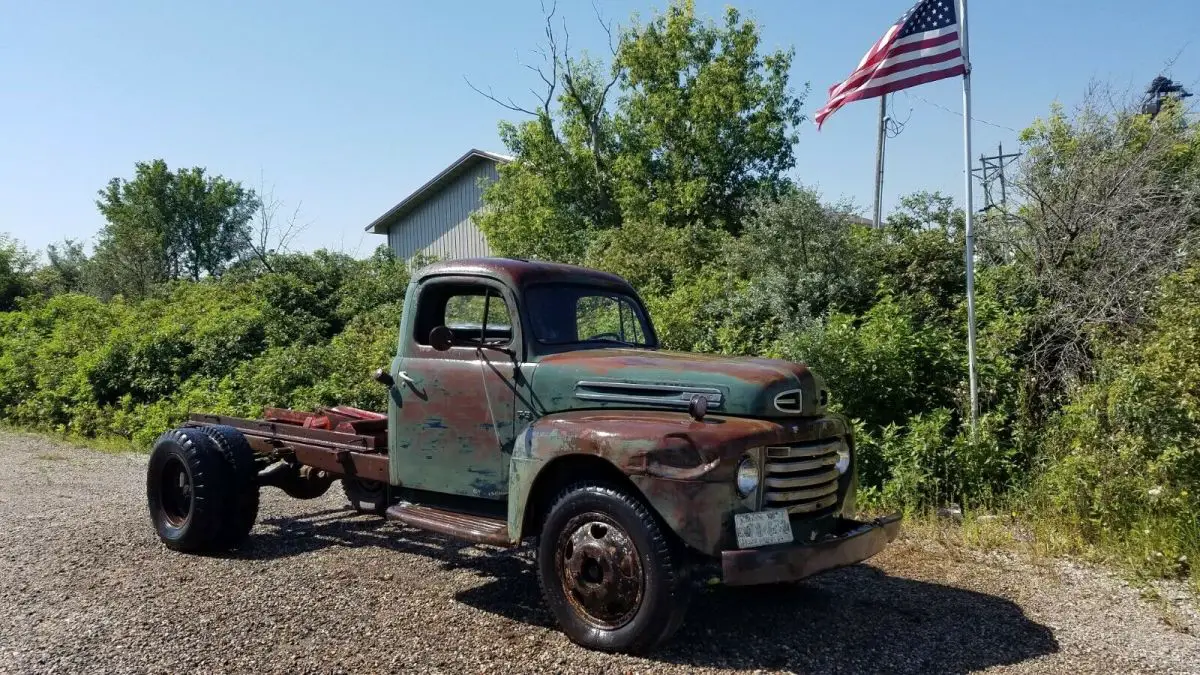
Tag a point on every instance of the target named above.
point(519, 273)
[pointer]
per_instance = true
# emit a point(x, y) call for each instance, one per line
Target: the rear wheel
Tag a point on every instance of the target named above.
point(241, 508)
point(608, 571)
point(366, 496)
point(187, 484)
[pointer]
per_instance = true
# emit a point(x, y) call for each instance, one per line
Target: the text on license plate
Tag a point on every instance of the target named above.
point(762, 528)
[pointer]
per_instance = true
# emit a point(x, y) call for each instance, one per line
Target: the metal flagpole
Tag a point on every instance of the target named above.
point(970, 234)
point(879, 161)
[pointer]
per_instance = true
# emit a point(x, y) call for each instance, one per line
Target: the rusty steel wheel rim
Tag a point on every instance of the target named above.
point(600, 570)
point(175, 490)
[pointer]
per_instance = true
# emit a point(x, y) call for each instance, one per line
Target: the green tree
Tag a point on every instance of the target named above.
point(687, 122)
point(16, 268)
point(922, 258)
point(164, 225)
point(802, 258)
point(67, 271)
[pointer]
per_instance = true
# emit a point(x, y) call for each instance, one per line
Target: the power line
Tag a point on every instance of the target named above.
point(955, 112)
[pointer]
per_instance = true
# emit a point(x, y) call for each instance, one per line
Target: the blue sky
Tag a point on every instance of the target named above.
point(346, 107)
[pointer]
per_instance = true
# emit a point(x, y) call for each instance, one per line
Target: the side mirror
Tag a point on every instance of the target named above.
point(441, 338)
point(385, 378)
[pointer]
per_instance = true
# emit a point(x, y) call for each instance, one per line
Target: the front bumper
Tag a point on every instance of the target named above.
point(855, 542)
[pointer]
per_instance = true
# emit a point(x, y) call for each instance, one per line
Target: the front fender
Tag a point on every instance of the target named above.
point(683, 468)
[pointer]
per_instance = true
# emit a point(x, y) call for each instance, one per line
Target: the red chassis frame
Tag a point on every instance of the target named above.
point(341, 440)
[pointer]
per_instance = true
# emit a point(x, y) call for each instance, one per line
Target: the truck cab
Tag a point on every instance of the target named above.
point(531, 402)
point(459, 406)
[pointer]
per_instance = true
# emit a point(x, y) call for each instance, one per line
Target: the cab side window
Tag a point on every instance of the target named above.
point(473, 311)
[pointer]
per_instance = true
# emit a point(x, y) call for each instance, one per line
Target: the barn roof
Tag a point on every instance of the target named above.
point(435, 184)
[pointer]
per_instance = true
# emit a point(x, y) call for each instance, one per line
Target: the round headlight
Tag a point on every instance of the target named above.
point(747, 477)
point(843, 460)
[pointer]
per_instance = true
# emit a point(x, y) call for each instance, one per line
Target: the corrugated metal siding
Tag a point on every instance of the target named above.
point(442, 226)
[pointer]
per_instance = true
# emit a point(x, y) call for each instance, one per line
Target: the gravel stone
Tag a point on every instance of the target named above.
point(85, 586)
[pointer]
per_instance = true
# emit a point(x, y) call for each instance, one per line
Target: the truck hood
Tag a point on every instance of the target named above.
point(648, 379)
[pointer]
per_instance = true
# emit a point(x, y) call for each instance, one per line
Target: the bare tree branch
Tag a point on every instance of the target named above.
point(1101, 220)
point(270, 237)
point(550, 60)
point(607, 27)
point(510, 104)
point(591, 110)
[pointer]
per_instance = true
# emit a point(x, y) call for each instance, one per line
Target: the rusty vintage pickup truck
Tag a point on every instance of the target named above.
point(530, 402)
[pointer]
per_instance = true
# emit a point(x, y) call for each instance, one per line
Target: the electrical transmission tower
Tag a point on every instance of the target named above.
point(991, 171)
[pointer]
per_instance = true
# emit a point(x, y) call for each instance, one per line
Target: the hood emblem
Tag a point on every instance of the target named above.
point(790, 401)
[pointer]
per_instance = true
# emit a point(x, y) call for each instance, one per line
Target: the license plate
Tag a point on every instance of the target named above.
point(762, 528)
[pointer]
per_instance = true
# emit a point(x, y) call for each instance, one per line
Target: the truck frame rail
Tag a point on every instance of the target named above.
point(341, 440)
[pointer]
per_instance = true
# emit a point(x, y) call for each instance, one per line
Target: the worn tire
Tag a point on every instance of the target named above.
point(191, 523)
point(367, 496)
point(241, 505)
point(664, 592)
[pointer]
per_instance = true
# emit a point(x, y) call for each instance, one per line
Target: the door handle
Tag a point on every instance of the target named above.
point(403, 377)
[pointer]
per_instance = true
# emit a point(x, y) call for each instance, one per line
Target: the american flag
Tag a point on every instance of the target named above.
point(923, 46)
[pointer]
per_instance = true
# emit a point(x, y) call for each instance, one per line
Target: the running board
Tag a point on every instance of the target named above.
point(479, 529)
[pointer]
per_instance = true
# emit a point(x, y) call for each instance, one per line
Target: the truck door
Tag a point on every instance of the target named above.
point(452, 422)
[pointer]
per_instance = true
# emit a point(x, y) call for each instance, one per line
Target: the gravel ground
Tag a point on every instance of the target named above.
point(86, 587)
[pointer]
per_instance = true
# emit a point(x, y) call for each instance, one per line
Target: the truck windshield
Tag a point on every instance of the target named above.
point(574, 314)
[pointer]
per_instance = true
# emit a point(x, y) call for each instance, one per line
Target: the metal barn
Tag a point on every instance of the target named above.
point(435, 219)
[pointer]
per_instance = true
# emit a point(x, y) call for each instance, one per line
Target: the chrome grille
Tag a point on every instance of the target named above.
point(802, 477)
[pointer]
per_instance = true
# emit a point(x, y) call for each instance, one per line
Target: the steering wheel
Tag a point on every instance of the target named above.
point(612, 337)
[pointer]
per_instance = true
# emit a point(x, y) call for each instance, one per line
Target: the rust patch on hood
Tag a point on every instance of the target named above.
point(629, 438)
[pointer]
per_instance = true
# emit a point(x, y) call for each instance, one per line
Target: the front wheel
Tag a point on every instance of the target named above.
point(608, 571)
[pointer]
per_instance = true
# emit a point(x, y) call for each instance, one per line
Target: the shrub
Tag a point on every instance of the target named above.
point(1122, 460)
point(883, 367)
point(46, 353)
point(304, 335)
